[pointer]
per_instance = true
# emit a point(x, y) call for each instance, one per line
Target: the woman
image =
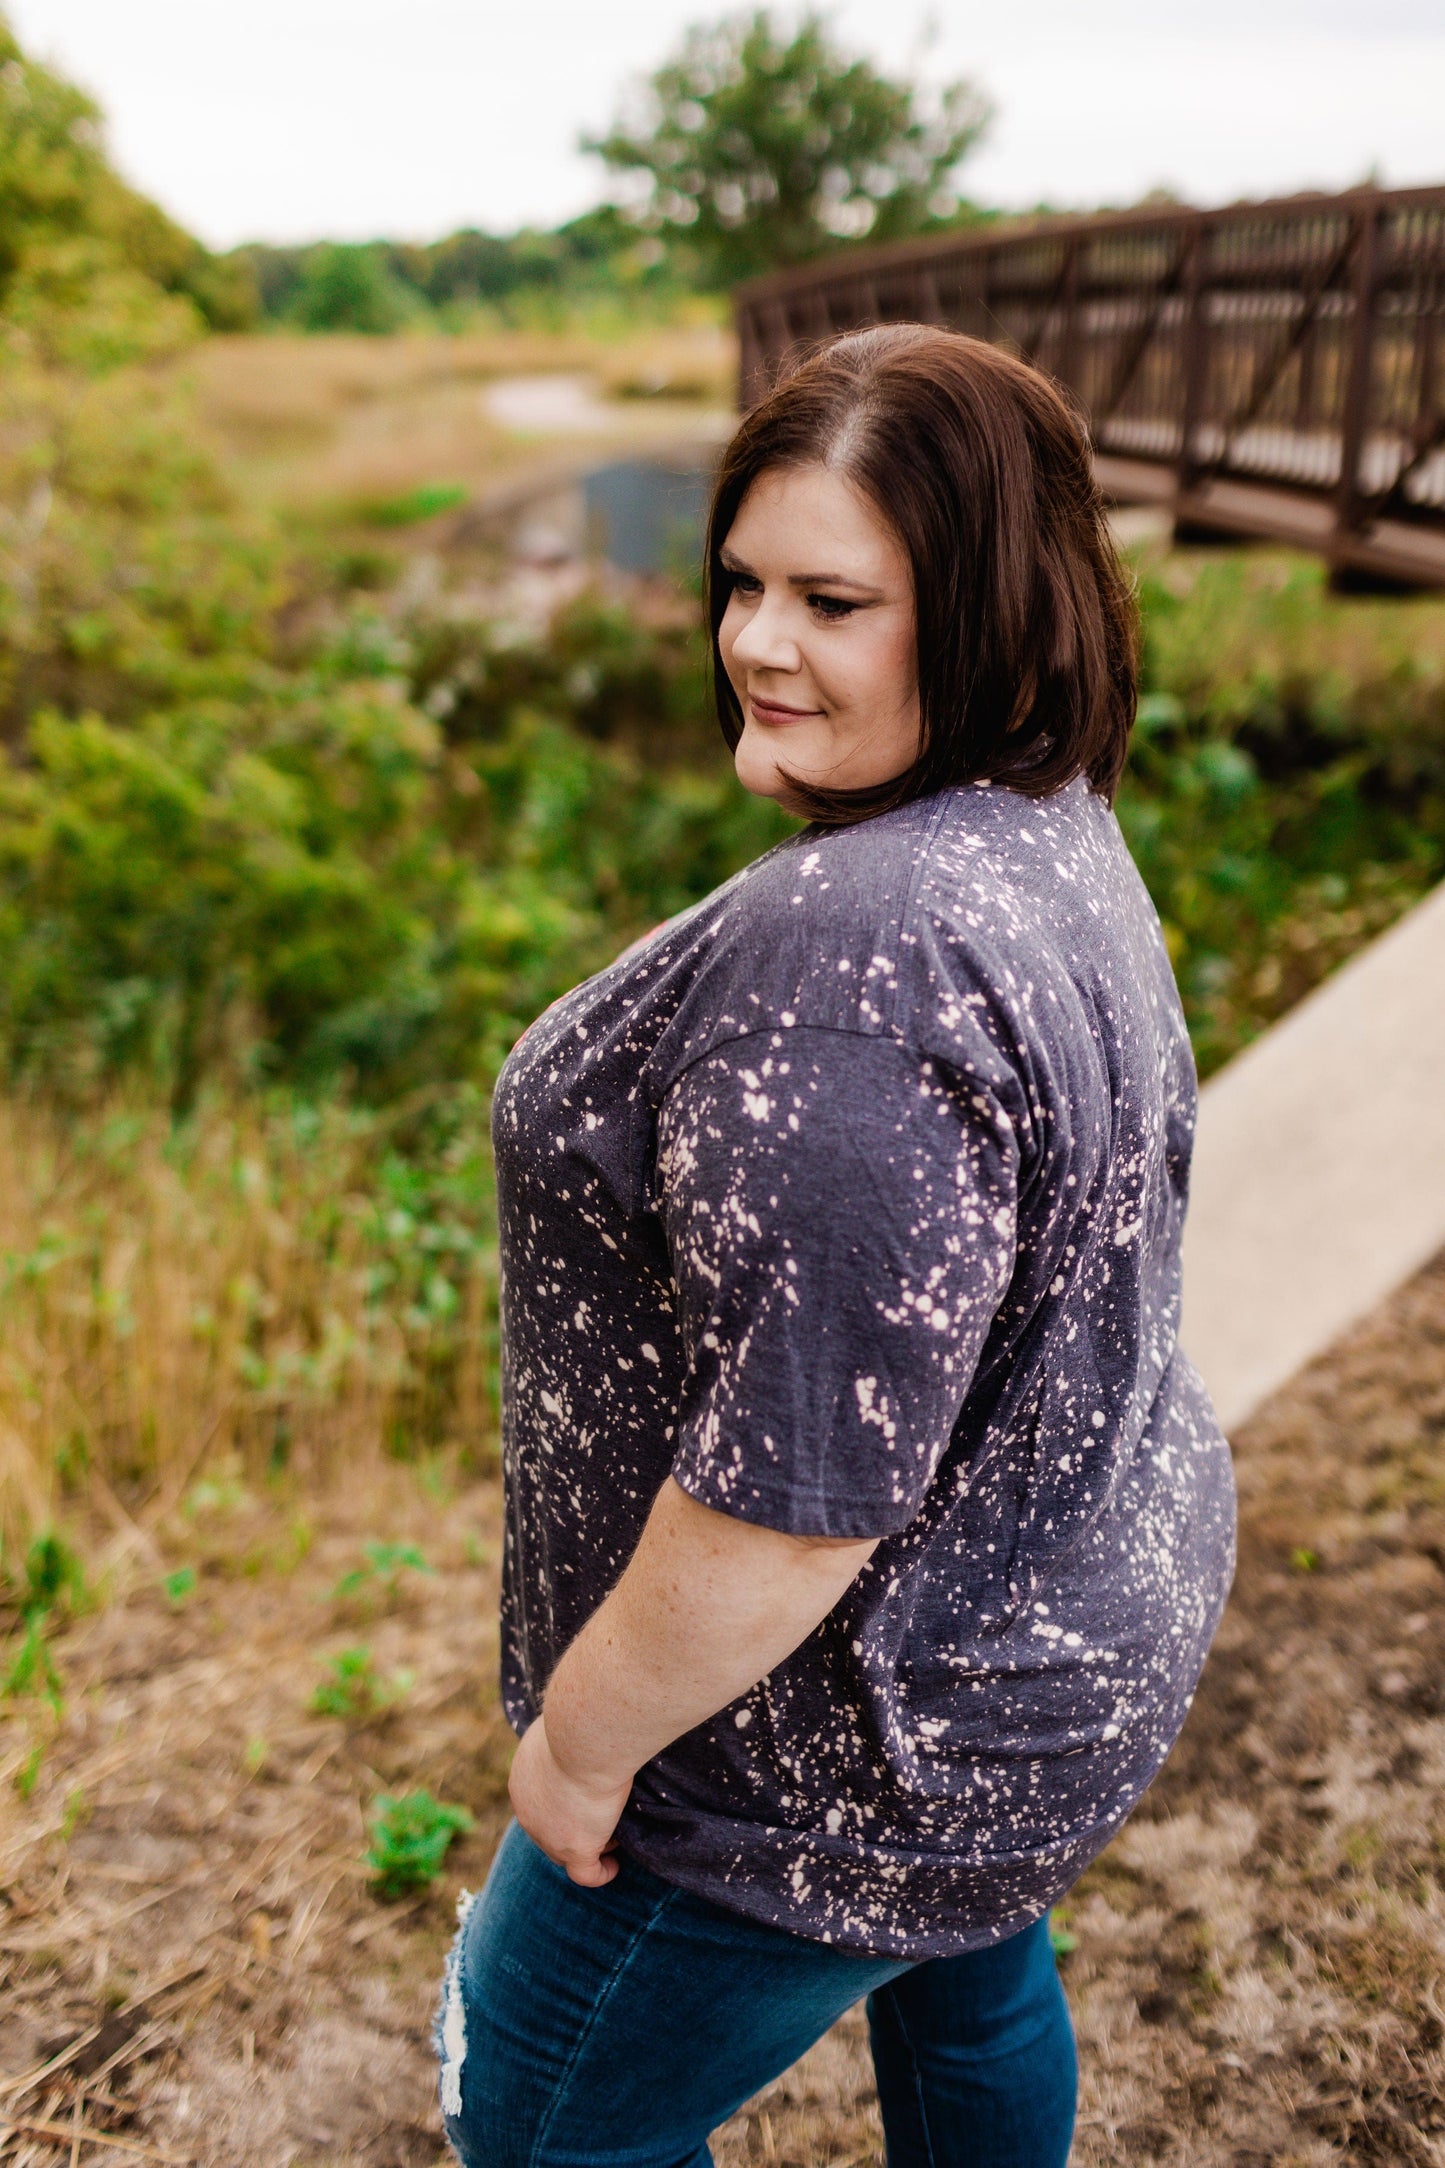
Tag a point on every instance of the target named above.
point(866, 1528)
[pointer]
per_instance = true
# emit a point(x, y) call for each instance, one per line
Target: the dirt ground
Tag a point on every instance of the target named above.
point(192, 1960)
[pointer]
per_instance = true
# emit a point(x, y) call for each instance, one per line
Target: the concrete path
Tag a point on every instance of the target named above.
point(1319, 1169)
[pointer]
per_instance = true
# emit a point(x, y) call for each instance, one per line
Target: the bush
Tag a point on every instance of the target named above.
point(1285, 794)
point(350, 288)
point(372, 865)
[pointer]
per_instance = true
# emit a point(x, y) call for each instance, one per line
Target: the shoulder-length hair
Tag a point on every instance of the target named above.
point(1027, 624)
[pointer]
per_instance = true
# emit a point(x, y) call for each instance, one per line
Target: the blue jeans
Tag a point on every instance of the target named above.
point(617, 2027)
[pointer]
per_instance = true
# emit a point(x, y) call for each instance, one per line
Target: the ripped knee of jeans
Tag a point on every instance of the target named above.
point(451, 2021)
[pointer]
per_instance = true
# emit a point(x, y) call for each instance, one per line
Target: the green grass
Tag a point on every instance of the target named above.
point(414, 506)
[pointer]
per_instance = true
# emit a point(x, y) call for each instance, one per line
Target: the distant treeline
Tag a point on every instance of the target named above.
point(381, 285)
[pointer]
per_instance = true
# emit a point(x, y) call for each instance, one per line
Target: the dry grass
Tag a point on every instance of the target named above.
point(1260, 1958)
point(188, 1925)
point(317, 423)
point(235, 1291)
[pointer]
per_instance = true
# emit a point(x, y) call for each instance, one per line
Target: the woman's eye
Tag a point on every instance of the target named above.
point(831, 606)
point(745, 584)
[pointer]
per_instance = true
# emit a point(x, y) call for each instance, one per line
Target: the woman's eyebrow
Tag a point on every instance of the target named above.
point(731, 563)
point(832, 579)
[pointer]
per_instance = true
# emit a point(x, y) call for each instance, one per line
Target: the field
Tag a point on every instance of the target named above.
point(327, 425)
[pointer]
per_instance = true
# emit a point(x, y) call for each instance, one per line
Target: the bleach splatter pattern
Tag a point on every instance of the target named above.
point(852, 1197)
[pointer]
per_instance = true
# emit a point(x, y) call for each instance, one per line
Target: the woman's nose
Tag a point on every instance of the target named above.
point(763, 641)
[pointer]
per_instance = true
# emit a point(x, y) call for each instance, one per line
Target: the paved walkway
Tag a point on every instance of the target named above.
point(1319, 1171)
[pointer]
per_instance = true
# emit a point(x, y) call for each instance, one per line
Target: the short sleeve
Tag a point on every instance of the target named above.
point(841, 1219)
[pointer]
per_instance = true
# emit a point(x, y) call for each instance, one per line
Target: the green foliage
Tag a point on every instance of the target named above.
point(152, 880)
point(178, 1586)
point(32, 1669)
point(597, 255)
point(1285, 795)
point(381, 1571)
point(52, 1582)
point(761, 146)
point(410, 1837)
point(415, 505)
point(90, 271)
point(312, 875)
point(27, 1776)
point(54, 1578)
point(355, 1689)
point(349, 287)
point(129, 579)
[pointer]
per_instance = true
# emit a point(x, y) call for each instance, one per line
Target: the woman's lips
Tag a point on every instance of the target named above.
point(772, 711)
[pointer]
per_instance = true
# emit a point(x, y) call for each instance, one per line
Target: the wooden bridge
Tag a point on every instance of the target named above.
point(1272, 369)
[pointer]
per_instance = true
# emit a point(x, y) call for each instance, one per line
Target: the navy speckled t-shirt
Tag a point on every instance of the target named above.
point(852, 1199)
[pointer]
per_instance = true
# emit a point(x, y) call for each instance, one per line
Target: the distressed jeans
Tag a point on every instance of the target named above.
point(617, 2027)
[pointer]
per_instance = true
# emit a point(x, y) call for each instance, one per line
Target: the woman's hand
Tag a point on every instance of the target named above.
point(570, 1818)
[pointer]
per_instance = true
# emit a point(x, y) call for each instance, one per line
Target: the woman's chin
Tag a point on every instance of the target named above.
point(758, 769)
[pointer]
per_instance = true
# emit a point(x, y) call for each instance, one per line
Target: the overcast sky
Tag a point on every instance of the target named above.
point(287, 119)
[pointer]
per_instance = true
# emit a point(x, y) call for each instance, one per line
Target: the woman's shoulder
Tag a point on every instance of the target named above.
point(933, 923)
point(836, 883)
point(968, 873)
point(854, 928)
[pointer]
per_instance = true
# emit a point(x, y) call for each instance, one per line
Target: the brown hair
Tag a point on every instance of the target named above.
point(1027, 623)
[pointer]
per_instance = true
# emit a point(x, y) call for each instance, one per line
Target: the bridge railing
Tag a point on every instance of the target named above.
point(1272, 368)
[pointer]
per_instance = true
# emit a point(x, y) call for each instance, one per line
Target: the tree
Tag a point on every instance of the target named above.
point(763, 148)
point(346, 286)
point(80, 247)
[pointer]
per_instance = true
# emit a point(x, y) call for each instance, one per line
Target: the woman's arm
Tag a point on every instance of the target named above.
point(707, 1606)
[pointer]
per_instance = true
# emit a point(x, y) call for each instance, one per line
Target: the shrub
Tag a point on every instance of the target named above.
point(348, 287)
point(1285, 795)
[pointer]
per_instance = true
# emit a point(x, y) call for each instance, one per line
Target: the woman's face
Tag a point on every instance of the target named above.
point(818, 638)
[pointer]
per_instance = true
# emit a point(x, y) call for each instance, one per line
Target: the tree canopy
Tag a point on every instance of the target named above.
point(763, 146)
point(81, 252)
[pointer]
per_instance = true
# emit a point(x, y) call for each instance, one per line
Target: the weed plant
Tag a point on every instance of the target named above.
point(410, 1838)
point(356, 1691)
point(377, 1580)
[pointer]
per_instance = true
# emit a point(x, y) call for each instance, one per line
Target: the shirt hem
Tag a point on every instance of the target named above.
point(779, 1509)
point(968, 1904)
